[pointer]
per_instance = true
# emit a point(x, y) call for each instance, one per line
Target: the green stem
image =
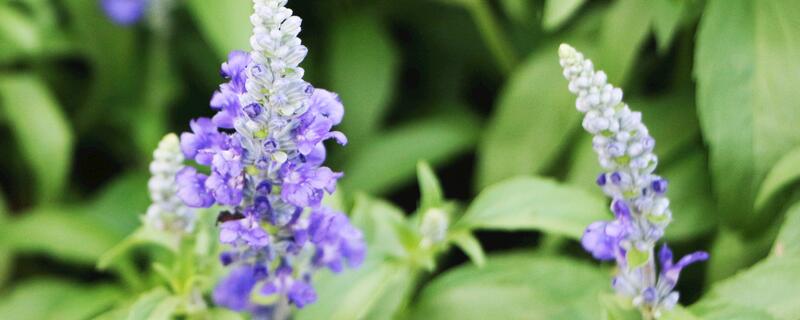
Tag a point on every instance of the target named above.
point(493, 34)
point(129, 275)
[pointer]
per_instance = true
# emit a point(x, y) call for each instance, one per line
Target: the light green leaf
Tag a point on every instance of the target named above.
point(148, 303)
point(533, 120)
point(56, 299)
point(119, 205)
point(430, 189)
point(556, 12)
point(770, 286)
point(376, 290)
point(363, 69)
point(46, 138)
point(732, 312)
point(18, 34)
point(225, 24)
point(747, 98)
point(391, 158)
point(788, 242)
point(692, 204)
point(785, 172)
point(63, 233)
point(514, 286)
point(225, 314)
point(470, 245)
point(532, 203)
point(636, 258)
point(144, 235)
point(382, 224)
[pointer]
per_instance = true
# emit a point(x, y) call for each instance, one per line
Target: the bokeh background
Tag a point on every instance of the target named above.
point(471, 86)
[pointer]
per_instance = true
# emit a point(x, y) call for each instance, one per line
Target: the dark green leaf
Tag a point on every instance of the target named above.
point(747, 97)
point(225, 24)
point(43, 133)
point(532, 203)
point(363, 68)
point(514, 286)
point(667, 16)
point(391, 158)
point(625, 27)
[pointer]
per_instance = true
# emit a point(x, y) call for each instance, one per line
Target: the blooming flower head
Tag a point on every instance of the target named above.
point(639, 203)
point(264, 152)
point(167, 211)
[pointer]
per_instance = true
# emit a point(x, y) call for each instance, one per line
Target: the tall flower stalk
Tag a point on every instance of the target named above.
point(639, 203)
point(265, 151)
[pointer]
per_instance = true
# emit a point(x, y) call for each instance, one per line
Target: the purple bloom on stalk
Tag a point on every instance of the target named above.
point(670, 271)
point(336, 239)
point(124, 12)
point(233, 292)
point(191, 188)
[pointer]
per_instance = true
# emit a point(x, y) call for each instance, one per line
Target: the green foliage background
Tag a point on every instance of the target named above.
point(472, 87)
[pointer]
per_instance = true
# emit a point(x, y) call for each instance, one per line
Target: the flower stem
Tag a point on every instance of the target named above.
point(492, 33)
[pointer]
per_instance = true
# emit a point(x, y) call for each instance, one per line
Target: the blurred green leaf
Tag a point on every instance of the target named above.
point(391, 158)
point(151, 305)
point(225, 24)
point(43, 133)
point(556, 12)
point(363, 66)
point(225, 314)
point(6, 256)
point(518, 10)
point(788, 241)
point(516, 286)
point(625, 27)
point(527, 203)
point(747, 97)
point(470, 245)
point(785, 172)
point(160, 88)
point(430, 189)
point(144, 235)
point(733, 312)
point(56, 299)
point(691, 200)
point(382, 224)
point(533, 120)
point(63, 233)
point(667, 16)
point(732, 251)
point(376, 290)
point(18, 34)
point(770, 286)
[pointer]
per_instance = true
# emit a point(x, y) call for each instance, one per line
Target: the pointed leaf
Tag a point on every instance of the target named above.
point(225, 24)
point(785, 172)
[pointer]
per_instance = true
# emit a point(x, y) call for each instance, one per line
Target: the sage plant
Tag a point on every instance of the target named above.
point(639, 203)
point(167, 212)
point(264, 149)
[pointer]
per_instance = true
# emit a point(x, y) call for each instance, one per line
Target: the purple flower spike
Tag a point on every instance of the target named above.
point(234, 291)
point(597, 241)
point(191, 188)
point(125, 12)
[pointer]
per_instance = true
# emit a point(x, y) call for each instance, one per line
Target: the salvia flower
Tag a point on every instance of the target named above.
point(125, 12)
point(264, 152)
point(167, 211)
point(639, 203)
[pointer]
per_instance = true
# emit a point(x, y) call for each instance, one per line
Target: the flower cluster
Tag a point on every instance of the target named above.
point(264, 147)
point(125, 12)
point(167, 211)
point(639, 203)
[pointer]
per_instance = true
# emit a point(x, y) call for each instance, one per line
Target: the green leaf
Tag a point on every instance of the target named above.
point(732, 312)
point(788, 241)
point(149, 304)
point(691, 201)
point(382, 224)
point(363, 69)
point(56, 299)
point(625, 28)
point(377, 290)
point(747, 98)
point(731, 252)
point(667, 16)
point(144, 235)
point(529, 203)
point(62, 233)
point(430, 189)
point(770, 286)
point(514, 286)
point(46, 138)
point(556, 12)
point(785, 172)
point(225, 314)
point(119, 205)
point(391, 158)
point(18, 34)
point(533, 120)
point(636, 258)
point(225, 24)
point(470, 245)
